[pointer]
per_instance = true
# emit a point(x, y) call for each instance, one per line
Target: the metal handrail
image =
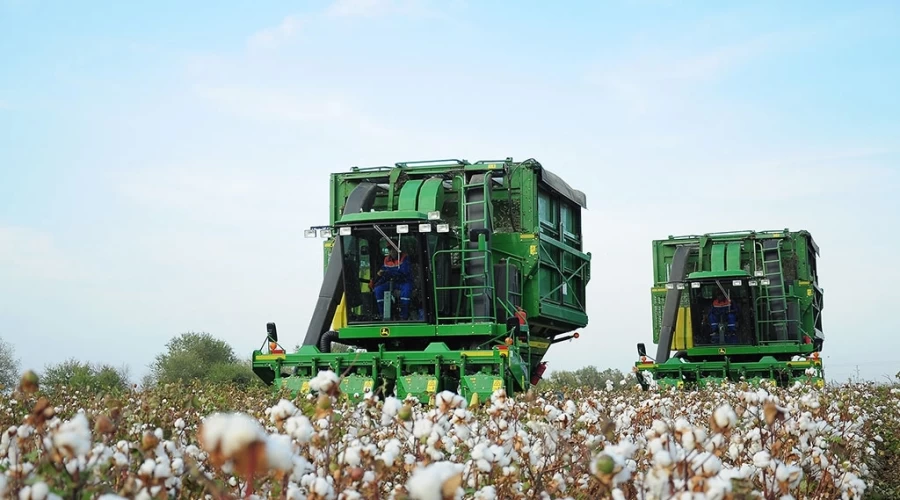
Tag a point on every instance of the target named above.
point(487, 288)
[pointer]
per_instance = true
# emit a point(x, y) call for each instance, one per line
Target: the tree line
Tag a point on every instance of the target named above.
point(194, 356)
point(188, 357)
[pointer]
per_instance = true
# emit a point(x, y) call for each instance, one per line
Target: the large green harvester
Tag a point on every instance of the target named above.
point(441, 275)
point(735, 306)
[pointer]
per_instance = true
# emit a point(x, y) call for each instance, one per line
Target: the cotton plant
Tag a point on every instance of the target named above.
point(716, 443)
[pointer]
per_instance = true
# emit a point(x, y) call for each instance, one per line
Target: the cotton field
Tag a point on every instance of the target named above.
point(734, 442)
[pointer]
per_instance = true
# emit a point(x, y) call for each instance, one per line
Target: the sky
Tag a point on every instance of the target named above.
point(159, 162)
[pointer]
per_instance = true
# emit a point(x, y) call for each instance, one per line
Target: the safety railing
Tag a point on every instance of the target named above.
point(509, 306)
point(767, 329)
point(467, 309)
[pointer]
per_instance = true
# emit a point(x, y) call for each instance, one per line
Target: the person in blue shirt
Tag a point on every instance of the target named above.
point(394, 273)
point(722, 307)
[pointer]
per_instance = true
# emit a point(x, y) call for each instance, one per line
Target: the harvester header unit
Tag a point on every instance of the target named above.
point(441, 275)
point(735, 306)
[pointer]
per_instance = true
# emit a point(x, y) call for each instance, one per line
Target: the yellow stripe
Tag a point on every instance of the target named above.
point(646, 365)
point(269, 357)
point(538, 344)
point(473, 354)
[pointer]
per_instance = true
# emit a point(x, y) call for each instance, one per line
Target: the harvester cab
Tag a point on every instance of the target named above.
point(735, 306)
point(443, 275)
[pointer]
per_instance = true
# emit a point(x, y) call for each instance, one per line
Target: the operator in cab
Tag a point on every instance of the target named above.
point(723, 308)
point(395, 273)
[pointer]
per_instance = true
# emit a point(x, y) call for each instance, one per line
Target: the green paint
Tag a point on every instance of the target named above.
point(431, 196)
point(768, 338)
point(409, 196)
point(533, 256)
point(718, 258)
point(396, 216)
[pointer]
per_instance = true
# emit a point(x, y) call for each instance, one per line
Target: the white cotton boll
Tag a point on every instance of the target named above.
point(682, 425)
point(390, 409)
point(688, 441)
point(660, 428)
point(295, 493)
point(710, 464)
point(325, 381)
point(300, 428)
point(147, 468)
point(426, 482)
point(233, 432)
point(422, 428)
point(74, 435)
point(179, 424)
point(762, 459)
point(279, 453)
point(322, 488)
point(789, 473)
point(39, 491)
point(725, 416)
point(162, 471)
point(143, 495)
point(662, 458)
point(351, 456)
point(486, 493)
point(718, 487)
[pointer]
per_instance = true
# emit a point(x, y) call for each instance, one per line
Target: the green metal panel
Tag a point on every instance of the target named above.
point(738, 255)
point(551, 264)
point(717, 258)
point(409, 196)
point(733, 256)
point(375, 217)
point(420, 330)
point(431, 196)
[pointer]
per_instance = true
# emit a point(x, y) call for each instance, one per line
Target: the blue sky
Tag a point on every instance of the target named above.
point(158, 163)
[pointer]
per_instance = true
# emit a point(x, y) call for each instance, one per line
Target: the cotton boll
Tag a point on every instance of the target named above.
point(428, 483)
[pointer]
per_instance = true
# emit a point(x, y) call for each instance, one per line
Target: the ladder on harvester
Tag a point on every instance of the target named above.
point(477, 276)
point(775, 291)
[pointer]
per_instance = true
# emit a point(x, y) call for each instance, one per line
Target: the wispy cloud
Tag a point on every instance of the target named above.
point(271, 104)
point(273, 37)
point(371, 8)
point(664, 71)
point(298, 107)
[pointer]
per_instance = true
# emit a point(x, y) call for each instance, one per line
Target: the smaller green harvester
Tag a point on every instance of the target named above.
point(735, 306)
point(440, 275)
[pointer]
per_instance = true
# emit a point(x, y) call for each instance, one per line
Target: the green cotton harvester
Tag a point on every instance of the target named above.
point(736, 306)
point(441, 275)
